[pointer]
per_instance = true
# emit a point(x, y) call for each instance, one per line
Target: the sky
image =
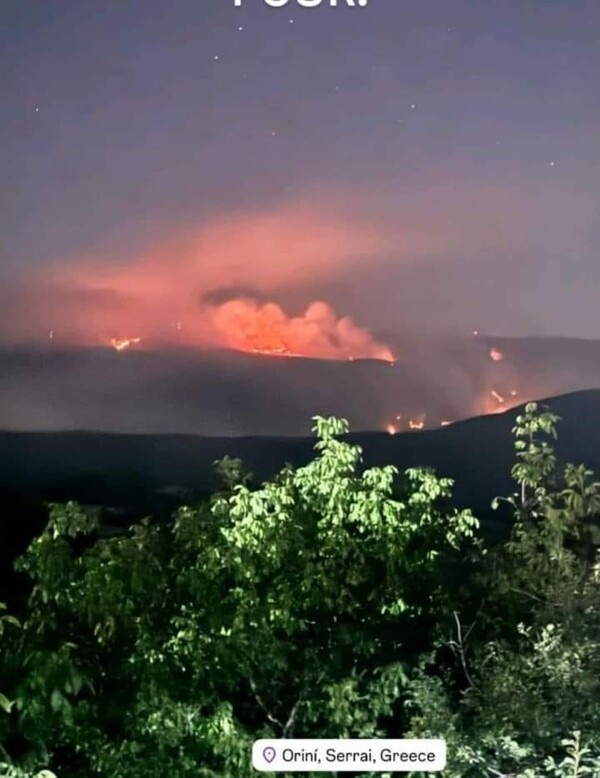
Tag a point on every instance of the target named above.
point(192, 170)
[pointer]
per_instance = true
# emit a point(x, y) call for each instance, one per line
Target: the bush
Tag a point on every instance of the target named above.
point(324, 603)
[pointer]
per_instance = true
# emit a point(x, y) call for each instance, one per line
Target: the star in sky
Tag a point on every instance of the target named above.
point(504, 78)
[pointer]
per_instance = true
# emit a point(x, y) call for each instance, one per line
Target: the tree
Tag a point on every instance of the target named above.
point(294, 608)
point(533, 683)
point(325, 603)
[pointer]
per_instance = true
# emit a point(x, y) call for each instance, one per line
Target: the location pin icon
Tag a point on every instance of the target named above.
point(269, 754)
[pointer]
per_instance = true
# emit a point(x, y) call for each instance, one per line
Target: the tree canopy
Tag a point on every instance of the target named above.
point(331, 601)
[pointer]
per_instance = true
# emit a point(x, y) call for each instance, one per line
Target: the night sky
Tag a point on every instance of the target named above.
point(415, 164)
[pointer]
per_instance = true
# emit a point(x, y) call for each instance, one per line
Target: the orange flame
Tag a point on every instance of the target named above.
point(497, 396)
point(496, 355)
point(417, 423)
point(495, 401)
point(121, 344)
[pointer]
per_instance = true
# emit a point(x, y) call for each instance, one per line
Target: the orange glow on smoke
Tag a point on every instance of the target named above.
point(497, 396)
point(391, 429)
point(246, 325)
point(495, 402)
point(195, 275)
point(217, 278)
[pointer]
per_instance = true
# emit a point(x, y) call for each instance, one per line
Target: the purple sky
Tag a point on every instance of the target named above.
point(418, 164)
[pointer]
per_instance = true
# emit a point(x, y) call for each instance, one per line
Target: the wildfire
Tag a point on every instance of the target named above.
point(498, 397)
point(273, 351)
point(497, 402)
point(265, 328)
point(446, 422)
point(391, 429)
point(121, 344)
point(416, 424)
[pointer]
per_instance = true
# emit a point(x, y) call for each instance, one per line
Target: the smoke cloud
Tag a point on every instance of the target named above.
point(250, 326)
point(209, 286)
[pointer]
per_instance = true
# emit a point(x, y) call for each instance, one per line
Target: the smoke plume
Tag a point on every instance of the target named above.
point(247, 325)
point(205, 287)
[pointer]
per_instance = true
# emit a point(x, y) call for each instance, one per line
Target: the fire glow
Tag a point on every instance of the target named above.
point(498, 402)
point(497, 396)
point(122, 344)
point(246, 325)
point(223, 277)
point(415, 424)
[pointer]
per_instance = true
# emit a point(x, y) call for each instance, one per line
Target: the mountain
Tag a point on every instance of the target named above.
point(136, 475)
point(228, 393)
point(477, 453)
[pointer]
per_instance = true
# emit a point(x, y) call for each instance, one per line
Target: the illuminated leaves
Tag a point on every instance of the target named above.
point(267, 610)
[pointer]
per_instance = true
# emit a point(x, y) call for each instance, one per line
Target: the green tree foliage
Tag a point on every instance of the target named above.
point(329, 601)
point(533, 683)
point(6, 621)
point(290, 608)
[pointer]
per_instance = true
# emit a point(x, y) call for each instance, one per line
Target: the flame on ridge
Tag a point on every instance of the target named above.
point(121, 344)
